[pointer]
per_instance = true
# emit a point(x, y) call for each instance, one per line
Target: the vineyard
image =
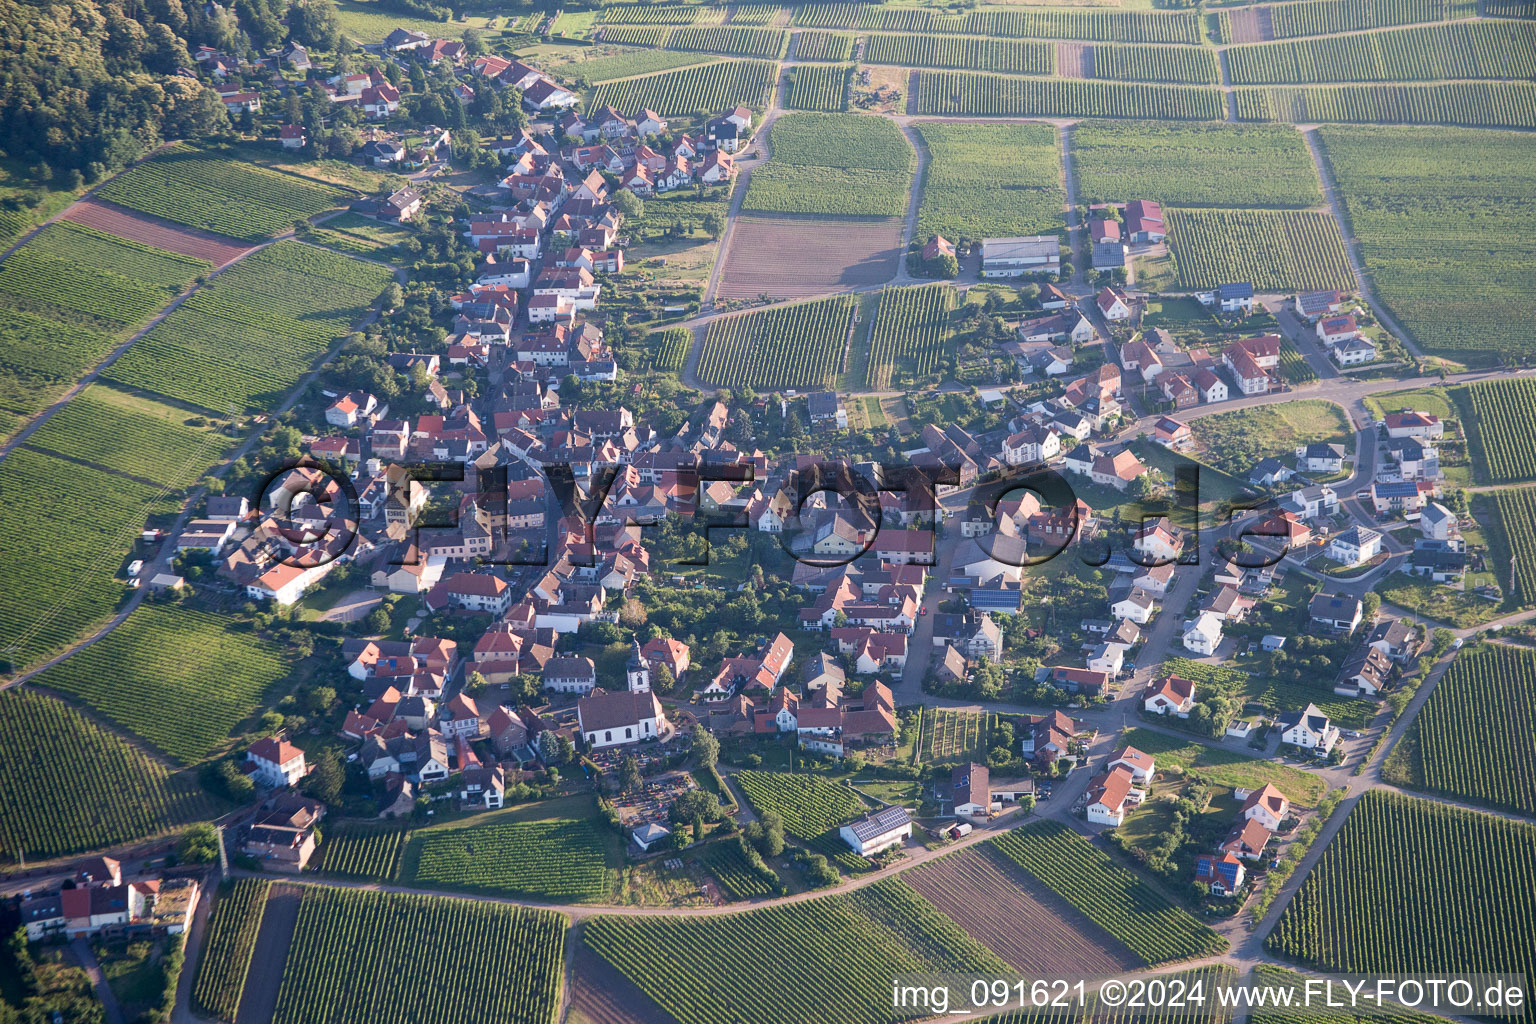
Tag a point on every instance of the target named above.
point(658, 14)
point(1463, 49)
point(552, 860)
point(361, 852)
point(132, 435)
point(1439, 215)
point(956, 93)
point(226, 959)
point(754, 14)
point(684, 92)
point(949, 735)
point(669, 348)
point(823, 46)
point(1472, 104)
point(727, 861)
point(911, 333)
point(821, 87)
point(229, 197)
point(46, 603)
point(799, 346)
point(1502, 428)
point(1327, 17)
point(842, 165)
point(633, 62)
point(1188, 65)
point(1040, 23)
point(1286, 250)
point(250, 334)
point(1009, 55)
point(1398, 852)
point(990, 179)
point(1226, 165)
point(810, 806)
point(186, 705)
point(67, 784)
point(52, 328)
point(827, 959)
point(1107, 894)
point(1279, 979)
point(1489, 693)
point(380, 958)
point(635, 35)
point(741, 42)
point(1517, 511)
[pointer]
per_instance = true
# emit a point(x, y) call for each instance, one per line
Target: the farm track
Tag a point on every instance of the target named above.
point(258, 1001)
point(914, 202)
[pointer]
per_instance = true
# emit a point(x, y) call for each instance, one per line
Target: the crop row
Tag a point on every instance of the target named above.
point(1474, 104)
point(1491, 694)
point(821, 87)
point(741, 42)
point(249, 336)
point(1015, 56)
point(1187, 65)
point(911, 331)
point(218, 194)
point(731, 865)
point(823, 46)
point(372, 853)
point(669, 348)
point(1398, 888)
point(987, 180)
point(808, 804)
point(1327, 17)
point(958, 93)
point(798, 346)
point(362, 957)
point(1517, 511)
point(1463, 49)
point(1040, 23)
point(635, 35)
point(1109, 895)
point(67, 784)
point(187, 705)
point(1504, 428)
point(232, 930)
point(949, 734)
point(657, 14)
point(687, 91)
point(545, 859)
point(1275, 250)
point(754, 14)
point(826, 959)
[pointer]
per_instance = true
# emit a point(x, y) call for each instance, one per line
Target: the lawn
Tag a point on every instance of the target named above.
point(1226, 767)
point(1184, 165)
point(369, 21)
point(1234, 442)
point(988, 180)
point(363, 236)
point(25, 202)
point(834, 164)
point(1437, 601)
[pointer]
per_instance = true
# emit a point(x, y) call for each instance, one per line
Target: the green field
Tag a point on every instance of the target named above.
point(1274, 250)
point(1515, 564)
point(1235, 442)
point(1438, 213)
point(359, 235)
point(1403, 883)
point(956, 93)
point(798, 346)
point(624, 65)
point(1500, 430)
point(1470, 104)
point(1275, 695)
point(821, 87)
point(228, 197)
point(68, 785)
point(26, 202)
point(369, 21)
point(226, 959)
point(545, 860)
point(1458, 50)
point(686, 91)
point(827, 959)
point(809, 805)
point(181, 679)
point(835, 164)
point(54, 327)
point(362, 851)
point(379, 958)
point(1326, 17)
point(988, 180)
point(59, 575)
point(1490, 693)
point(1184, 65)
point(911, 333)
point(1107, 894)
point(1184, 165)
point(1010, 56)
point(1226, 768)
point(247, 338)
point(132, 435)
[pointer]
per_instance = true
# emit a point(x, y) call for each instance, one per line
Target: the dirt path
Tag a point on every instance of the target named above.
point(1074, 225)
point(914, 203)
point(1074, 60)
point(80, 949)
point(259, 1000)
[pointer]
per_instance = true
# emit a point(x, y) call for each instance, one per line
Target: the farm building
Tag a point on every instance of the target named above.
point(875, 833)
point(1012, 257)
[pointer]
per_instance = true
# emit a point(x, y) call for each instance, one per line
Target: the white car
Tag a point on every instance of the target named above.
point(135, 567)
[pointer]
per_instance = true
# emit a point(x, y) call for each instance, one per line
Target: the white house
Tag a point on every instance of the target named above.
point(1139, 763)
point(1170, 695)
point(1355, 545)
point(1136, 606)
point(614, 719)
point(1114, 304)
point(276, 762)
point(1266, 805)
point(1111, 794)
point(875, 833)
point(1438, 522)
point(1309, 729)
point(570, 675)
point(1203, 635)
point(1354, 351)
point(1411, 423)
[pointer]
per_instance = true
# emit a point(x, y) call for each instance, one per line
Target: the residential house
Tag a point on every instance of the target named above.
point(1411, 423)
point(1267, 806)
point(1170, 695)
point(1336, 614)
point(571, 674)
point(1309, 729)
point(1111, 795)
point(1235, 297)
point(1139, 763)
point(971, 790)
point(275, 762)
point(1223, 874)
point(875, 833)
point(1354, 546)
point(1320, 457)
point(1203, 635)
point(1113, 303)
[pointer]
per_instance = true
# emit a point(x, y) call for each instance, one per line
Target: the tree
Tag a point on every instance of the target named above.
point(314, 23)
point(325, 777)
point(474, 42)
point(319, 700)
point(629, 204)
point(771, 841)
point(698, 828)
point(1370, 604)
point(549, 747)
point(475, 684)
point(696, 803)
point(377, 621)
point(713, 224)
point(705, 747)
point(629, 775)
point(199, 844)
